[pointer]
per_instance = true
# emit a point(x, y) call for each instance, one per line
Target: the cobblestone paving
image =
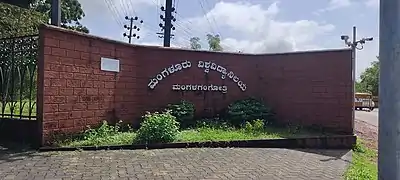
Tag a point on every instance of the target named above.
point(175, 164)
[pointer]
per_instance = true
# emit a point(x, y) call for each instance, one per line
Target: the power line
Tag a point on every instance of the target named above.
point(128, 10)
point(206, 16)
point(124, 7)
point(185, 29)
point(213, 19)
point(188, 30)
point(176, 5)
point(114, 12)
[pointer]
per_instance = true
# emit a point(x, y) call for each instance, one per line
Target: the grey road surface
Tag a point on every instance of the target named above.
point(368, 117)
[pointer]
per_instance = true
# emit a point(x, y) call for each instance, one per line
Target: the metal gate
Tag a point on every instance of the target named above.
point(18, 87)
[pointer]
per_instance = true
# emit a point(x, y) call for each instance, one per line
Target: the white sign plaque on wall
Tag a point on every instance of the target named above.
point(108, 64)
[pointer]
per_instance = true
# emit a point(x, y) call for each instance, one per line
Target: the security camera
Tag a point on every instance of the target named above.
point(344, 37)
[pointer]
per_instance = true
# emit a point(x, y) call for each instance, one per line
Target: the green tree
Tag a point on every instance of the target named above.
point(214, 42)
point(195, 43)
point(16, 21)
point(360, 87)
point(19, 3)
point(370, 79)
point(71, 13)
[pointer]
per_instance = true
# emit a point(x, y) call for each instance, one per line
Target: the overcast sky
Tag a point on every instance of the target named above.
point(253, 26)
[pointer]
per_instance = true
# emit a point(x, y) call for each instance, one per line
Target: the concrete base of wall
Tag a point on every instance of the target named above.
point(324, 142)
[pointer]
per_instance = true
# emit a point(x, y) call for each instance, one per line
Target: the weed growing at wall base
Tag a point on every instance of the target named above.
point(163, 127)
point(105, 134)
point(255, 127)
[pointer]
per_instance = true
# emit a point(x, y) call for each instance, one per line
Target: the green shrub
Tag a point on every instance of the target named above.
point(241, 111)
point(158, 128)
point(184, 113)
point(255, 127)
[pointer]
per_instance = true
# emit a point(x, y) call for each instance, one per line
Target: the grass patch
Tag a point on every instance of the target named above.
point(363, 164)
point(210, 134)
point(230, 134)
point(122, 138)
point(103, 135)
point(107, 135)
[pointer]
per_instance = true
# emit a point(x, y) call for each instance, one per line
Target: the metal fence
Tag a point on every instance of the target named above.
point(18, 77)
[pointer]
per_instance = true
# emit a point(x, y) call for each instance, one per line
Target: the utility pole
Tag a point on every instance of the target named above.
point(168, 24)
point(132, 27)
point(56, 12)
point(389, 91)
point(354, 47)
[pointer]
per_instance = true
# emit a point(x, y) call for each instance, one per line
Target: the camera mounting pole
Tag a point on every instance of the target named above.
point(354, 46)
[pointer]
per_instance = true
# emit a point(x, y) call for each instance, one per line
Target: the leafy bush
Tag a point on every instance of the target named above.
point(184, 112)
point(255, 127)
point(158, 128)
point(241, 111)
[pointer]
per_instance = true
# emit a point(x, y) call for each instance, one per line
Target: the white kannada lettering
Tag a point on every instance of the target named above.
point(207, 66)
point(200, 87)
point(167, 72)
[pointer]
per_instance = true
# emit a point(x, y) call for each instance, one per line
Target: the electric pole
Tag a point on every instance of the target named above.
point(389, 91)
point(132, 27)
point(167, 23)
point(354, 45)
point(56, 12)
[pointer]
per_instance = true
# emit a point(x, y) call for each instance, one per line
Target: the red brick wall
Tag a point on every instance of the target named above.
point(311, 88)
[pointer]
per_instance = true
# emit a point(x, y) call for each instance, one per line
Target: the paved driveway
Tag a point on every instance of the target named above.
point(368, 117)
point(228, 163)
point(366, 127)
